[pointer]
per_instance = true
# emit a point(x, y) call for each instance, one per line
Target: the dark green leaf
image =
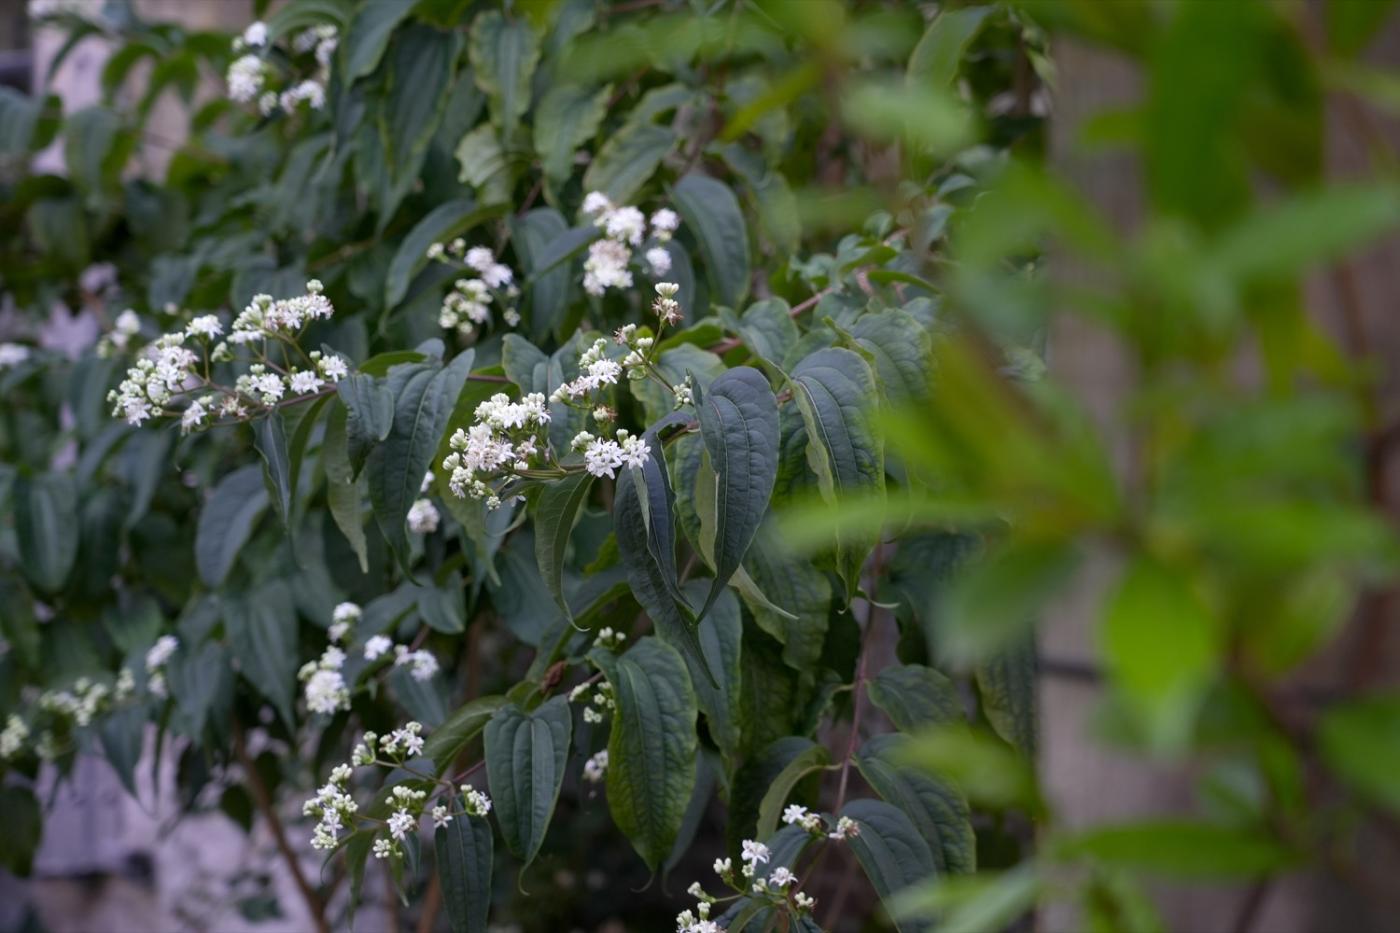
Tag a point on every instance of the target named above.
point(901, 350)
point(555, 512)
point(504, 53)
point(720, 635)
point(712, 215)
point(548, 293)
point(805, 763)
point(369, 407)
point(627, 161)
point(343, 493)
point(567, 117)
point(447, 740)
point(1360, 740)
point(938, 811)
point(270, 438)
point(368, 37)
point(913, 696)
point(262, 629)
point(739, 422)
point(464, 869)
point(226, 521)
point(652, 748)
point(46, 524)
point(525, 758)
point(892, 854)
point(441, 223)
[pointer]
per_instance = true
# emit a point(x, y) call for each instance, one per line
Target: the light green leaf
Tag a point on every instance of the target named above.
point(504, 54)
point(713, 217)
point(627, 160)
point(567, 117)
point(1183, 849)
point(652, 747)
point(936, 58)
point(464, 861)
point(226, 521)
point(46, 525)
point(1360, 740)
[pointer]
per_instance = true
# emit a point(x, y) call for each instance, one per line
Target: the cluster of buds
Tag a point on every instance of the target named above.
point(251, 75)
point(610, 638)
point(778, 884)
point(624, 229)
point(468, 305)
point(333, 807)
point(598, 704)
point(172, 379)
point(326, 690)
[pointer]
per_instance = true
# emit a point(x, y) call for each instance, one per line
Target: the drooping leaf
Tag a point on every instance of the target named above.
point(1006, 684)
point(940, 51)
point(834, 390)
point(712, 215)
point(525, 758)
point(46, 524)
point(892, 854)
point(739, 422)
point(545, 300)
point(720, 635)
point(270, 439)
point(652, 746)
point(262, 629)
point(805, 763)
point(938, 811)
point(226, 521)
point(424, 397)
point(447, 740)
point(555, 512)
point(627, 161)
point(464, 859)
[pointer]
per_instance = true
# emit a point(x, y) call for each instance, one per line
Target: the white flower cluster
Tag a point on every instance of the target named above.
point(595, 769)
point(249, 74)
point(124, 328)
point(602, 457)
point(602, 698)
point(610, 638)
point(507, 435)
point(423, 517)
point(422, 665)
point(12, 354)
point(343, 618)
point(795, 815)
point(468, 305)
point(333, 808)
point(169, 369)
point(156, 657)
point(326, 690)
point(778, 886)
point(58, 712)
point(13, 737)
point(624, 229)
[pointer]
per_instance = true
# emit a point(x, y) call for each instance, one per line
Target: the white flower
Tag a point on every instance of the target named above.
point(326, 692)
point(376, 646)
point(659, 260)
point(479, 258)
point(596, 202)
point(333, 368)
point(626, 224)
point(383, 848)
point(635, 451)
point(12, 739)
point(338, 631)
point(161, 651)
point(596, 768)
point(346, 612)
point(427, 482)
point(256, 34)
point(423, 517)
point(754, 852)
point(206, 325)
point(606, 267)
point(245, 78)
point(723, 866)
point(664, 223)
point(477, 803)
point(12, 354)
point(193, 416)
point(781, 877)
point(304, 382)
point(804, 901)
point(424, 665)
point(441, 817)
point(309, 91)
point(400, 822)
point(845, 828)
point(602, 458)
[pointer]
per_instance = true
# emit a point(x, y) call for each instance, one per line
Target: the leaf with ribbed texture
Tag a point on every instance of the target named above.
point(628, 160)
point(1006, 686)
point(720, 635)
point(226, 521)
point(567, 117)
point(646, 578)
point(270, 439)
point(713, 217)
point(835, 390)
point(902, 351)
point(739, 422)
point(464, 857)
point(937, 809)
point(766, 327)
point(368, 36)
point(525, 758)
point(198, 678)
point(419, 75)
point(888, 848)
point(652, 747)
point(448, 739)
point(369, 407)
point(504, 53)
point(790, 598)
point(914, 696)
point(424, 398)
point(752, 781)
point(46, 525)
point(262, 629)
point(555, 511)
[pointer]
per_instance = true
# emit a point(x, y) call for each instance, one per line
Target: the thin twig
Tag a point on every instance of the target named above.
point(263, 800)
